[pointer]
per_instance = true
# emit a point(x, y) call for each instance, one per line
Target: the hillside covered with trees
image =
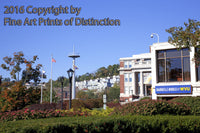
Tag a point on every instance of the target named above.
point(100, 73)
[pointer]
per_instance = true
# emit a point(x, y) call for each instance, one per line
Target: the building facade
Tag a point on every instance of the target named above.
point(135, 77)
point(174, 72)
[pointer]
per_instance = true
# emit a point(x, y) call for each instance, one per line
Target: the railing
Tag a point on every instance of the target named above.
point(142, 62)
point(138, 64)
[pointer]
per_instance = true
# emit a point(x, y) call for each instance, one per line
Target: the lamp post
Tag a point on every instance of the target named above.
point(70, 74)
point(61, 79)
point(156, 35)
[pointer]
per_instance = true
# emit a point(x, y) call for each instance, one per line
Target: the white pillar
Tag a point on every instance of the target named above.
point(141, 84)
point(193, 74)
point(153, 71)
point(134, 84)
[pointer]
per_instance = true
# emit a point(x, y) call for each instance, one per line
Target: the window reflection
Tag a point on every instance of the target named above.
point(174, 69)
point(161, 70)
point(186, 68)
point(173, 65)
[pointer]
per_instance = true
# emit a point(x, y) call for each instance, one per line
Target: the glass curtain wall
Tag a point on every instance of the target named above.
point(173, 65)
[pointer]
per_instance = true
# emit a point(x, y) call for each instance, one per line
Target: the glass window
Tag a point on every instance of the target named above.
point(160, 54)
point(161, 70)
point(130, 77)
point(186, 69)
point(175, 66)
point(147, 59)
point(129, 64)
point(126, 77)
point(174, 69)
point(173, 53)
point(186, 52)
point(126, 64)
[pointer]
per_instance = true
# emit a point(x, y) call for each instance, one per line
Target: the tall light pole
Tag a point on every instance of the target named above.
point(74, 56)
point(70, 74)
point(156, 35)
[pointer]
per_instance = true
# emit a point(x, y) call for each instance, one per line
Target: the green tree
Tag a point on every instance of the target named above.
point(89, 94)
point(13, 64)
point(33, 74)
point(46, 96)
point(102, 72)
point(113, 93)
point(81, 94)
point(115, 69)
point(56, 83)
point(187, 36)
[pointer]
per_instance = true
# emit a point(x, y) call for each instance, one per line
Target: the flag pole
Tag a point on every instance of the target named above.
point(51, 81)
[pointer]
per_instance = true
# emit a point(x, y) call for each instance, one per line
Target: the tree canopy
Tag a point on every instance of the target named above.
point(13, 64)
point(187, 36)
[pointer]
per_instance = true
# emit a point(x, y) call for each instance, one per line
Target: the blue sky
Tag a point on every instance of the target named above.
point(97, 45)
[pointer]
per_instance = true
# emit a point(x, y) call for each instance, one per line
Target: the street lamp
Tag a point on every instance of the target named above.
point(156, 35)
point(61, 79)
point(70, 74)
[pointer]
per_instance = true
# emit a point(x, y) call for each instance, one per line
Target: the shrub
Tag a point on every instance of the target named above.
point(93, 103)
point(152, 107)
point(144, 98)
point(26, 114)
point(102, 112)
point(192, 102)
point(108, 124)
point(17, 97)
point(76, 104)
point(113, 104)
point(43, 107)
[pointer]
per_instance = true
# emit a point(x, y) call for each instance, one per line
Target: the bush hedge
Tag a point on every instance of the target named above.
point(76, 104)
point(27, 114)
point(153, 107)
point(192, 102)
point(114, 124)
point(113, 104)
point(17, 97)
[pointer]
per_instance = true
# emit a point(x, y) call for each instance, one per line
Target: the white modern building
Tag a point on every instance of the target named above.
point(135, 77)
point(165, 72)
point(174, 72)
point(98, 84)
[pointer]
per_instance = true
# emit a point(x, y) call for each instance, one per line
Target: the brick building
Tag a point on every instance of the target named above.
point(135, 77)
